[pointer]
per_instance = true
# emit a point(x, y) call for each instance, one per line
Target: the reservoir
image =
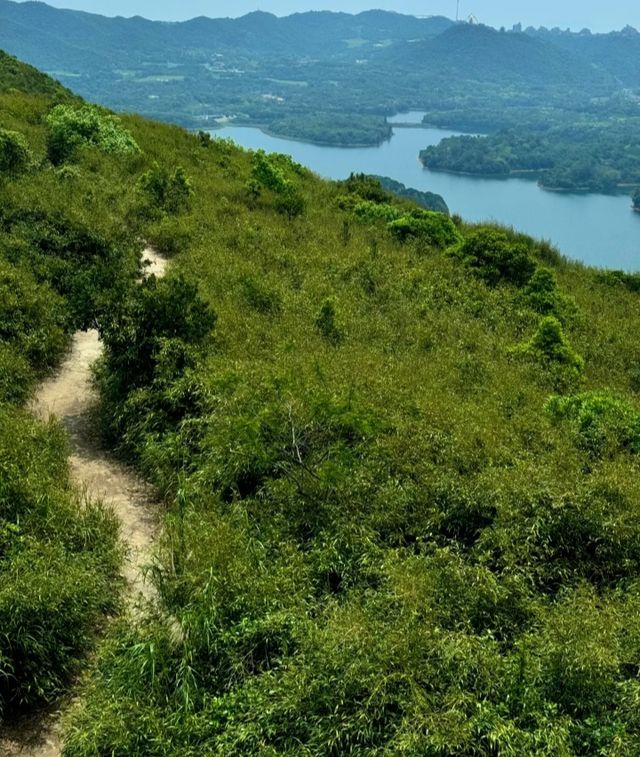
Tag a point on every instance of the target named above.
point(600, 230)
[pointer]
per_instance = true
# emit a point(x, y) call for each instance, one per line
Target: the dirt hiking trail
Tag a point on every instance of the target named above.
point(69, 396)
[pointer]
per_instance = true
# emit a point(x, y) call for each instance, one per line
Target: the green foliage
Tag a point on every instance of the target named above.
point(151, 340)
point(15, 156)
point(58, 561)
point(70, 128)
point(384, 547)
point(496, 258)
point(436, 229)
point(550, 347)
point(169, 191)
point(267, 173)
point(603, 424)
point(32, 318)
point(327, 323)
point(259, 297)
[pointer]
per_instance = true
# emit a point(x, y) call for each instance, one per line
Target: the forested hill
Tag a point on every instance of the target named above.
point(468, 51)
point(399, 457)
point(56, 37)
point(617, 53)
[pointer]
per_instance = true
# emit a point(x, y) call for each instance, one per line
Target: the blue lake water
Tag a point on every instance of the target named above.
point(600, 230)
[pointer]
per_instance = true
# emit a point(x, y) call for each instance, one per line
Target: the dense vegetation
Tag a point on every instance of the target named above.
point(61, 256)
point(573, 156)
point(399, 451)
point(400, 456)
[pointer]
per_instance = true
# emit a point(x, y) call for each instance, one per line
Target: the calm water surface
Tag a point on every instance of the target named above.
point(600, 230)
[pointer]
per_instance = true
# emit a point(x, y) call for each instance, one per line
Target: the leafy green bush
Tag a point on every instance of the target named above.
point(15, 156)
point(266, 172)
point(327, 322)
point(84, 265)
point(170, 191)
point(69, 128)
point(603, 423)
point(258, 297)
point(32, 318)
point(496, 258)
point(436, 229)
point(550, 347)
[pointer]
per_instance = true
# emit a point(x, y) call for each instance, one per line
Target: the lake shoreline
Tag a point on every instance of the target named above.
point(529, 175)
point(317, 143)
point(596, 229)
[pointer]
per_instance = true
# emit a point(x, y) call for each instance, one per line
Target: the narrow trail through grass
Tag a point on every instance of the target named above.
point(69, 396)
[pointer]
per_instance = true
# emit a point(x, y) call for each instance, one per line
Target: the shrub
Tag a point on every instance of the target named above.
point(603, 424)
point(550, 347)
point(258, 297)
point(32, 318)
point(155, 310)
point(58, 563)
point(290, 203)
point(326, 323)
point(15, 156)
point(69, 128)
point(494, 257)
point(436, 229)
point(169, 191)
point(266, 173)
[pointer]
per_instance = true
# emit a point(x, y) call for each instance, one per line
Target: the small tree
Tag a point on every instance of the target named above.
point(495, 258)
point(168, 191)
point(326, 323)
point(636, 200)
point(15, 156)
point(550, 347)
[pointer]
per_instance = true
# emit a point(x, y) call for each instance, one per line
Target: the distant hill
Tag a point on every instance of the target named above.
point(51, 37)
point(617, 53)
point(468, 51)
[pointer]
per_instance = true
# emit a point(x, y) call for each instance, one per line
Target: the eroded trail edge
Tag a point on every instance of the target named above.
point(70, 397)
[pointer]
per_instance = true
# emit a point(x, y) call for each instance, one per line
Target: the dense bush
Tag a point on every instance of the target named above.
point(167, 190)
point(70, 128)
point(496, 258)
point(15, 156)
point(603, 424)
point(550, 348)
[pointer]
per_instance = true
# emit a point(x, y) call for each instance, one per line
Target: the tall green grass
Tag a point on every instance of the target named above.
point(384, 537)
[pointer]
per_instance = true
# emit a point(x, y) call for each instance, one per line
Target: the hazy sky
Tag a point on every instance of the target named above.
point(596, 14)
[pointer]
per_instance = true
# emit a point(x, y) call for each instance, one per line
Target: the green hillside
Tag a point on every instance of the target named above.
point(24, 78)
point(399, 454)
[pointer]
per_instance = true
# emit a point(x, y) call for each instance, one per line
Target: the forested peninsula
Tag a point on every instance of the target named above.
point(395, 456)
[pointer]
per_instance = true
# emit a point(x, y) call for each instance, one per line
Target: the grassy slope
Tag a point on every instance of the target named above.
point(381, 544)
point(382, 540)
